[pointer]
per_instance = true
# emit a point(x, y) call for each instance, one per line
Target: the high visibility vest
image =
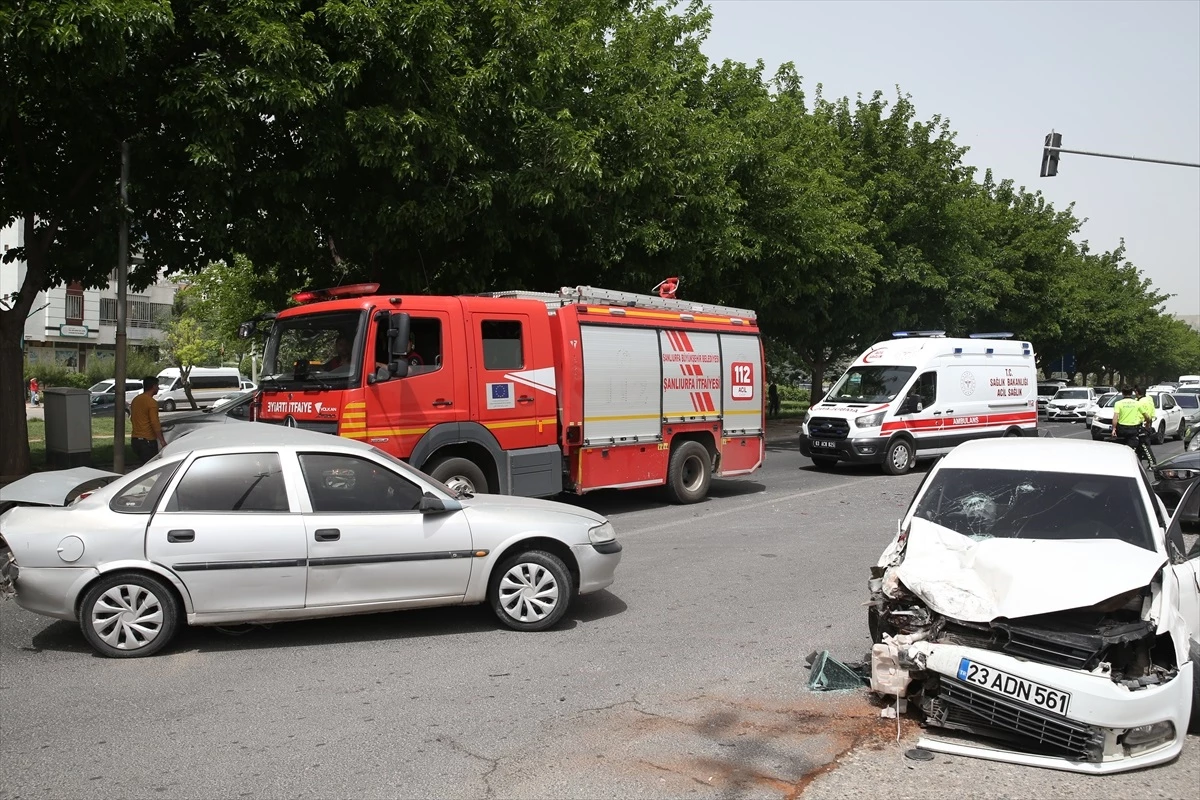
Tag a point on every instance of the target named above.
point(1128, 412)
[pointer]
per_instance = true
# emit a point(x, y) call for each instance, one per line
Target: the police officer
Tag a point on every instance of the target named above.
point(1146, 404)
point(1128, 416)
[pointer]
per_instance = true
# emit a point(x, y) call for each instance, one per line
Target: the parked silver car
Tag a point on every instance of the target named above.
point(258, 523)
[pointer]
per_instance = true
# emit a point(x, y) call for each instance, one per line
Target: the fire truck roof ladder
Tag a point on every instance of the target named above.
point(610, 297)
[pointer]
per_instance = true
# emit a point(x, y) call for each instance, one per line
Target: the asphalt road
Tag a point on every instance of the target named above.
point(686, 678)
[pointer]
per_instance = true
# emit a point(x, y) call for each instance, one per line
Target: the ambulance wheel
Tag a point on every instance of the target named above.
point(1011, 432)
point(824, 463)
point(689, 473)
point(460, 475)
point(898, 459)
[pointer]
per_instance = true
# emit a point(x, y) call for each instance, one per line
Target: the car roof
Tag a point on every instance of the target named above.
point(259, 434)
point(1045, 455)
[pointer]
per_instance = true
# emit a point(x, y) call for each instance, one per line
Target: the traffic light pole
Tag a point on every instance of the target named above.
point(1123, 158)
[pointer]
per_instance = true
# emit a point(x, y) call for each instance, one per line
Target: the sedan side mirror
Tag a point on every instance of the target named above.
point(431, 504)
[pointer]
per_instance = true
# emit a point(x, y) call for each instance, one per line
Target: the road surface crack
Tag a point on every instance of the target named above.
point(494, 763)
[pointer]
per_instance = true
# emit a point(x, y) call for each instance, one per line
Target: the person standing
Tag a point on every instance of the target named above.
point(773, 400)
point(33, 391)
point(146, 433)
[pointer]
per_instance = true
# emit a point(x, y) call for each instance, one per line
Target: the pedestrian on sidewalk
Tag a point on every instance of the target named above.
point(773, 401)
point(146, 434)
point(33, 391)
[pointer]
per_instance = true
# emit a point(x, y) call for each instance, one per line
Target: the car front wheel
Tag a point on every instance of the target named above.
point(898, 459)
point(531, 591)
point(128, 615)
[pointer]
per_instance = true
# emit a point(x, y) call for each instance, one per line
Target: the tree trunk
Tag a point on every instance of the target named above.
point(186, 380)
point(815, 390)
point(14, 428)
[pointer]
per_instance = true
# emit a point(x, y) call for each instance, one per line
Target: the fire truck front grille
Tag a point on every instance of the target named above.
point(319, 427)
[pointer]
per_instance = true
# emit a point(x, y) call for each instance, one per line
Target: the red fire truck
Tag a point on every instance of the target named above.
point(526, 393)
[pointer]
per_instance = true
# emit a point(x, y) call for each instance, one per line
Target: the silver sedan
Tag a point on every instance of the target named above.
point(259, 523)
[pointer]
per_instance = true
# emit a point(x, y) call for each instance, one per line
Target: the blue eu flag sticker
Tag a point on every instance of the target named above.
point(499, 391)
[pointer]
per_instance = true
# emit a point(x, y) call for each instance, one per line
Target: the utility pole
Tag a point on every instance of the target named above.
point(1052, 148)
point(121, 364)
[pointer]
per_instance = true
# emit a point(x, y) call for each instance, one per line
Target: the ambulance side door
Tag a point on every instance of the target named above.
point(926, 417)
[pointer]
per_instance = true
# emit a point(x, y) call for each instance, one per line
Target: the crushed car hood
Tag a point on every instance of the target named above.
point(980, 581)
point(55, 488)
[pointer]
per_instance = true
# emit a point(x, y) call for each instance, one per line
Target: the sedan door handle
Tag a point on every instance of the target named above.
point(442, 402)
point(524, 399)
point(328, 535)
point(181, 536)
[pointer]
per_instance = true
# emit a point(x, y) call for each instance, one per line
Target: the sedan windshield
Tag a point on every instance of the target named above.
point(321, 351)
point(1071, 394)
point(869, 384)
point(1026, 504)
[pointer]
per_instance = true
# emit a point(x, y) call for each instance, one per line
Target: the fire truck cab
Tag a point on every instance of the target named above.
point(526, 393)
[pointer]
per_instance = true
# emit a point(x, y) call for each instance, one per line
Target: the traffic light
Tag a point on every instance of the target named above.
point(1050, 157)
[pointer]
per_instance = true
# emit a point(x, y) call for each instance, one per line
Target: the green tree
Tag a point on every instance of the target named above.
point(187, 344)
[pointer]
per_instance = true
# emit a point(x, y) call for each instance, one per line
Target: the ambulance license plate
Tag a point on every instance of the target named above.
point(1026, 691)
point(824, 444)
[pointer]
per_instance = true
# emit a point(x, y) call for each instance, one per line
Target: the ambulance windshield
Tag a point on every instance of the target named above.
point(313, 351)
point(870, 384)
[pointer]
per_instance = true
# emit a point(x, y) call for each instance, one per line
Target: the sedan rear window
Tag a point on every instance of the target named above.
point(231, 483)
point(1024, 504)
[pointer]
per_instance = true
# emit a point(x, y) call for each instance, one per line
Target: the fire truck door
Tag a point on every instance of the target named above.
point(401, 410)
point(513, 398)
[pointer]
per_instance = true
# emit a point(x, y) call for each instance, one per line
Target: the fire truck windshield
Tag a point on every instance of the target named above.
point(321, 351)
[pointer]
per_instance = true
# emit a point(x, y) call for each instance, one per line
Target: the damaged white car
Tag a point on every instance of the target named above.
point(1038, 595)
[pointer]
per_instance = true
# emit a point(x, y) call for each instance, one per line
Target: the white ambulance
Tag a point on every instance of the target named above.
point(920, 394)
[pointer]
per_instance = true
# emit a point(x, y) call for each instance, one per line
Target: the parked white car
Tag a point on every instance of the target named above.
point(1071, 404)
point(262, 523)
point(1169, 419)
point(1038, 594)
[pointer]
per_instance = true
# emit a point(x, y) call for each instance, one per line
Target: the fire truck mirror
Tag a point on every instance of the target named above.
point(380, 375)
point(246, 329)
point(398, 331)
point(397, 369)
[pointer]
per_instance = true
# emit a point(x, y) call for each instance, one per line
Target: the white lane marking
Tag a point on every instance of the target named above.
point(740, 509)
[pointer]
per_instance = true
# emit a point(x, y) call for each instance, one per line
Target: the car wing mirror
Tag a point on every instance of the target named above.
point(431, 504)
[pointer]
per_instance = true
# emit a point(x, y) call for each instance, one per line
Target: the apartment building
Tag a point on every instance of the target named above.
point(72, 326)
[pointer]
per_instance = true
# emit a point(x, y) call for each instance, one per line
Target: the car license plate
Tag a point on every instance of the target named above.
point(824, 444)
point(1001, 682)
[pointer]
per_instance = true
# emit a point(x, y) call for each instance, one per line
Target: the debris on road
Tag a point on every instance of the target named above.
point(827, 674)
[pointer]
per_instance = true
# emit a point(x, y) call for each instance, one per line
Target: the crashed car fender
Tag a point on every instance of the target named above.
point(1164, 609)
point(157, 569)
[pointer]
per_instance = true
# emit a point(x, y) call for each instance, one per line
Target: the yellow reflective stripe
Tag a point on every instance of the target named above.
point(517, 423)
point(355, 415)
point(755, 413)
point(349, 406)
point(629, 312)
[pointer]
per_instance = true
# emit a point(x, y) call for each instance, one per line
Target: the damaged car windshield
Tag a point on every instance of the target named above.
point(870, 384)
point(1024, 504)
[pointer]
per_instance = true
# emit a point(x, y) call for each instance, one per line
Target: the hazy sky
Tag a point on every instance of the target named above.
point(1111, 77)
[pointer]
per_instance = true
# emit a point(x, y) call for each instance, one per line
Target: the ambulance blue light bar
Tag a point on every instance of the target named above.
point(999, 335)
point(907, 334)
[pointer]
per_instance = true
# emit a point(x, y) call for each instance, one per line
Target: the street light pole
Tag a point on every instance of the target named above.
point(121, 364)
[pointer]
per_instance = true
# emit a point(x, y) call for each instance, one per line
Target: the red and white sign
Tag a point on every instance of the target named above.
point(741, 380)
point(691, 374)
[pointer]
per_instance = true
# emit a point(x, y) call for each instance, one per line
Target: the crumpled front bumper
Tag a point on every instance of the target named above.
point(1100, 711)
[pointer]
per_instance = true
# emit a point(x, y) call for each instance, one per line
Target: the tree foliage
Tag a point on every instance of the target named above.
point(450, 147)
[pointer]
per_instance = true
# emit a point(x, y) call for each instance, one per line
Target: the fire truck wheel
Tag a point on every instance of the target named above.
point(531, 591)
point(689, 473)
point(460, 474)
